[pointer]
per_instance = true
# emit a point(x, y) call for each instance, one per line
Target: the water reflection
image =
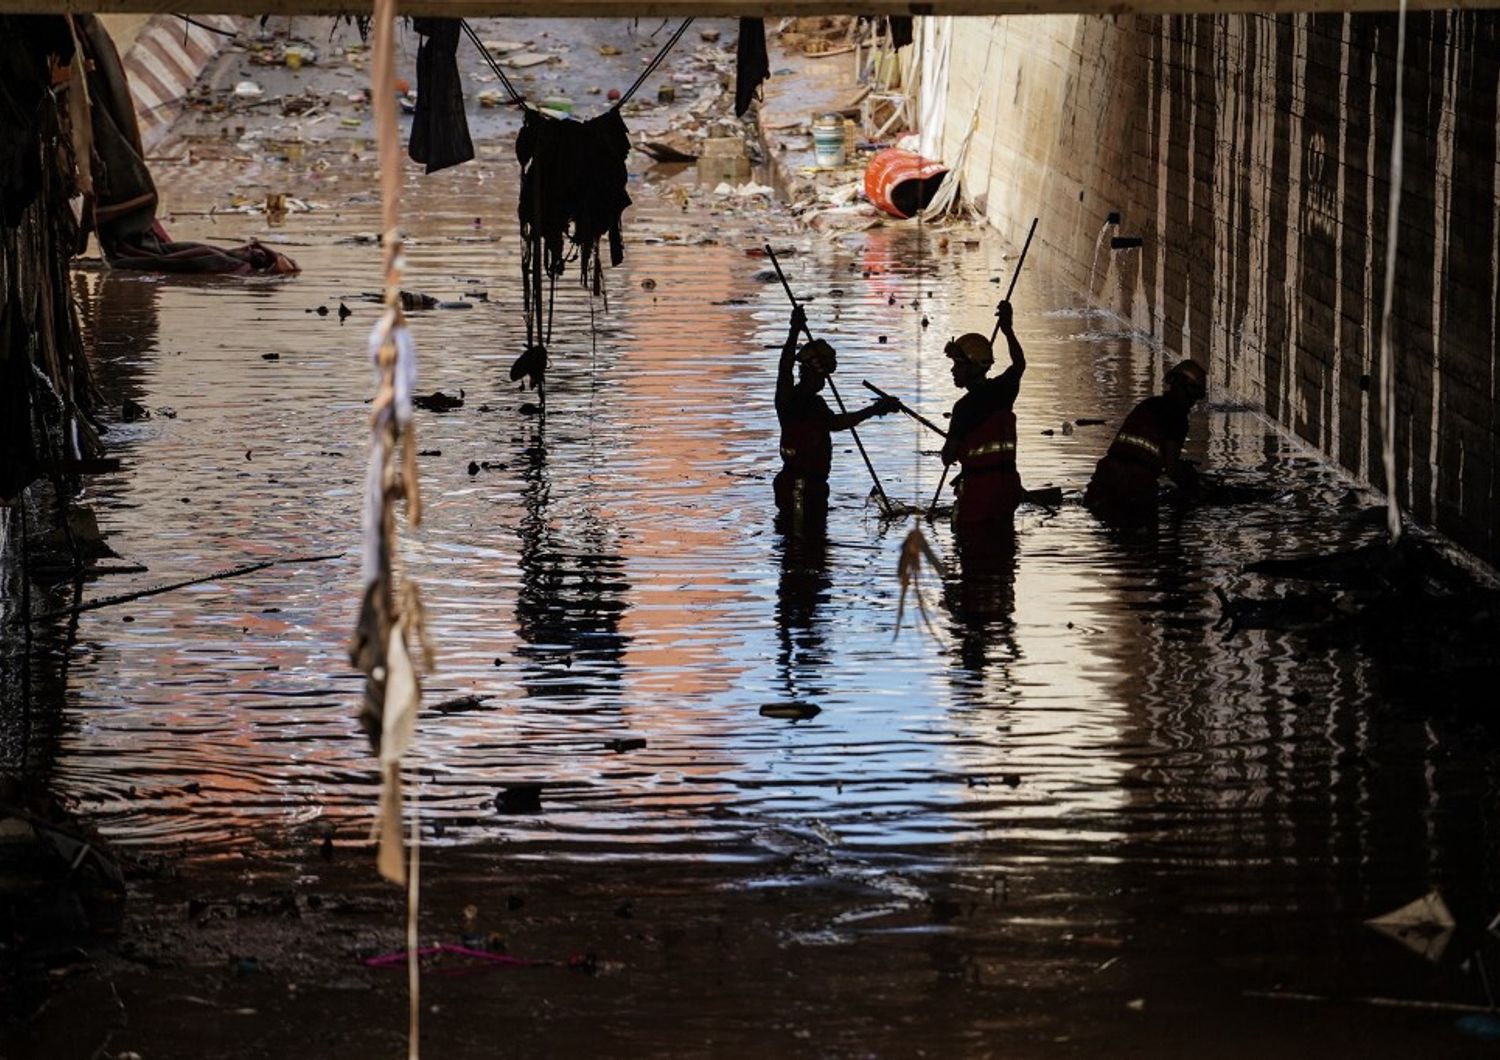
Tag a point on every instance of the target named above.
point(572, 593)
point(981, 599)
point(1078, 717)
point(804, 587)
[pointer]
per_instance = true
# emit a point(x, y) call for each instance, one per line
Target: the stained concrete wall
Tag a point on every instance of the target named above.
point(1252, 155)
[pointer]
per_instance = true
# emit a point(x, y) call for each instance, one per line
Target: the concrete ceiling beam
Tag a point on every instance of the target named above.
point(721, 9)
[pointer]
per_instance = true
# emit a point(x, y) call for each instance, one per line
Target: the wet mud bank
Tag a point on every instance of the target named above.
point(1126, 786)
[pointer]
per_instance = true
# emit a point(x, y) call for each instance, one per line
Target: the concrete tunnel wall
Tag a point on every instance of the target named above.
point(1252, 155)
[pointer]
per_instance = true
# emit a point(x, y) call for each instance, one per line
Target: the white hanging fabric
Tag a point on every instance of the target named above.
point(934, 40)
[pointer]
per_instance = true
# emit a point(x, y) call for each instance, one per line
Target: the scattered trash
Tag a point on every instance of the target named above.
point(1087, 422)
point(663, 151)
point(747, 190)
point(462, 704)
point(792, 711)
point(437, 401)
point(530, 366)
point(523, 60)
point(248, 90)
point(275, 209)
point(298, 55)
point(519, 798)
point(130, 412)
point(1424, 926)
point(270, 356)
point(411, 301)
point(908, 570)
point(648, 284)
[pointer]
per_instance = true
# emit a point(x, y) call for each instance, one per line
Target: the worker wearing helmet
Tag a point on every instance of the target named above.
point(1148, 445)
point(807, 424)
point(982, 430)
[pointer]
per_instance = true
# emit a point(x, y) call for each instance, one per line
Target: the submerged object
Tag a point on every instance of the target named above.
point(796, 710)
point(1423, 926)
point(531, 365)
point(902, 183)
point(437, 401)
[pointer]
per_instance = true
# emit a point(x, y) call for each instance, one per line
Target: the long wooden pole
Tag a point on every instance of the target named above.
point(1014, 277)
point(885, 503)
point(923, 420)
point(931, 508)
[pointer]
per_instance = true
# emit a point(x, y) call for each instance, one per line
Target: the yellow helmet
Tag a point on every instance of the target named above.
point(1190, 374)
point(972, 347)
point(818, 354)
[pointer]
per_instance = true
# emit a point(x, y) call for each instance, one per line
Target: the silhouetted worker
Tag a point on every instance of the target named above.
point(807, 424)
point(1149, 443)
point(982, 432)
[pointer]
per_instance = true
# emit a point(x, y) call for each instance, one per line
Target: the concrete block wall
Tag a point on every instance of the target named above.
point(1252, 155)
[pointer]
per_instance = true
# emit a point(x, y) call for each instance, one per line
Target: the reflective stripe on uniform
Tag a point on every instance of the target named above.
point(992, 447)
point(1139, 442)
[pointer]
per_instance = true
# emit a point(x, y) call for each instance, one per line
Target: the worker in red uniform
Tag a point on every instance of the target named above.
point(1148, 445)
point(982, 431)
point(807, 424)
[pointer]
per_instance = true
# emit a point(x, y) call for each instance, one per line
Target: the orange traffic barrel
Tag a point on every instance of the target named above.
point(902, 182)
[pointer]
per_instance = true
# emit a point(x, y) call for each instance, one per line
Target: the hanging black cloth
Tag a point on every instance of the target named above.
point(439, 129)
point(900, 26)
point(751, 63)
point(572, 193)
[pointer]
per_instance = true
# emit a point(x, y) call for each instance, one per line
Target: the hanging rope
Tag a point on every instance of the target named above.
point(187, 21)
point(391, 609)
point(505, 82)
point(1387, 349)
point(654, 63)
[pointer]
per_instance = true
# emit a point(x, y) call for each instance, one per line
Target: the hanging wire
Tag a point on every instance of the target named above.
point(188, 21)
point(654, 63)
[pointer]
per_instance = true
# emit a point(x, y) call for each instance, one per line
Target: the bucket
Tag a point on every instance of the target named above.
point(902, 182)
point(828, 141)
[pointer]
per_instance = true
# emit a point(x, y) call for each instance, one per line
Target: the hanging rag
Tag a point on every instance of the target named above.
point(751, 63)
point(900, 27)
point(439, 129)
point(24, 78)
point(124, 200)
point(573, 180)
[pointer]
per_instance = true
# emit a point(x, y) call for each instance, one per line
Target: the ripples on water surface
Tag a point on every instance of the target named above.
point(614, 573)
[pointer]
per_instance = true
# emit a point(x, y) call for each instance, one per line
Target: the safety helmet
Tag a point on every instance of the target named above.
point(818, 354)
point(1190, 374)
point(974, 348)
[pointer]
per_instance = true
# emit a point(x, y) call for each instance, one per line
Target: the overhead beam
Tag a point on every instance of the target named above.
point(722, 8)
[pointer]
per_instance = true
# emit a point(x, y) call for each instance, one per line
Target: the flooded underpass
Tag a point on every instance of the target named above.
point(1088, 809)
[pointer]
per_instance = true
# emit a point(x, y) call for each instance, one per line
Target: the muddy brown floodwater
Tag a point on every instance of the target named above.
point(1081, 817)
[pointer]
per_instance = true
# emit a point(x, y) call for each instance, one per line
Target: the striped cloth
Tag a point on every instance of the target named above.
point(164, 64)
